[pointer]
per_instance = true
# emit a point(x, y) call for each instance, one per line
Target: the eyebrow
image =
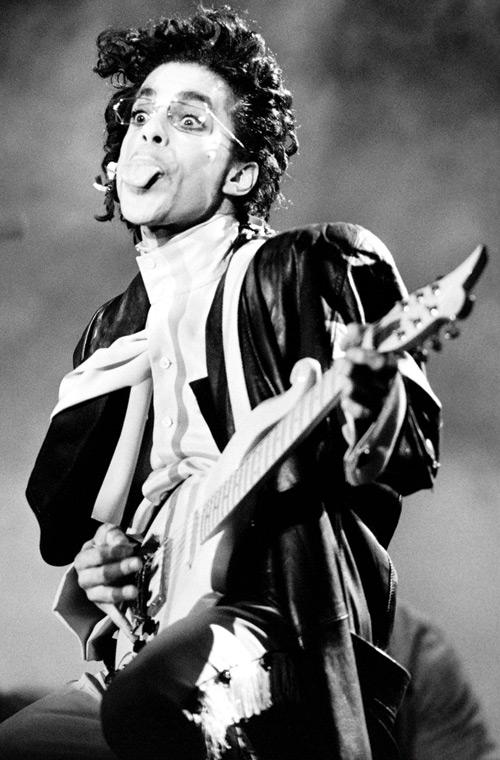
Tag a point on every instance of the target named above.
point(149, 92)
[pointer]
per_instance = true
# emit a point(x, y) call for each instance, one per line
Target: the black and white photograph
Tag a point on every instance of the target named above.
point(250, 318)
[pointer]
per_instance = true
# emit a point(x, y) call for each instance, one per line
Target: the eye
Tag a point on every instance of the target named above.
point(188, 117)
point(191, 122)
point(138, 117)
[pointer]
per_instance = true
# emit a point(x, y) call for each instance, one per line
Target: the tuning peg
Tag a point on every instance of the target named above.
point(452, 331)
point(436, 344)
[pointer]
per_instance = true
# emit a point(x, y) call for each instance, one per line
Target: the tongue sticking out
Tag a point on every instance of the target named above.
point(141, 174)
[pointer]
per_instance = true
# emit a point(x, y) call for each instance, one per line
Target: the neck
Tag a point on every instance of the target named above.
point(155, 237)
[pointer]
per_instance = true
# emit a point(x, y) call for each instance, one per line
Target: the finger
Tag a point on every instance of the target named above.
point(112, 594)
point(351, 374)
point(372, 359)
point(87, 545)
point(356, 410)
point(353, 336)
point(110, 574)
point(100, 555)
point(110, 534)
point(370, 395)
point(363, 394)
point(362, 405)
point(368, 379)
point(119, 620)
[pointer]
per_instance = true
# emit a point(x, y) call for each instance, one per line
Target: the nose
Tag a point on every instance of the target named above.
point(155, 130)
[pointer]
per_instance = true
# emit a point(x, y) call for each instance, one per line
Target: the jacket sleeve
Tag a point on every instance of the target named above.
point(68, 473)
point(368, 287)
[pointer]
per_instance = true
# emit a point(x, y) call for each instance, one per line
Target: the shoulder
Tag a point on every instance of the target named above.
point(345, 263)
point(122, 315)
point(351, 241)
point(332, 249)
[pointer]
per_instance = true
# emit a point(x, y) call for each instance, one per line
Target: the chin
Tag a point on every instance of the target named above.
point(141, 207)
point(134, 214)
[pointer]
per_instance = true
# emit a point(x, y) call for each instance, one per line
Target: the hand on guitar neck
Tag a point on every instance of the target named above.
point(365, 377)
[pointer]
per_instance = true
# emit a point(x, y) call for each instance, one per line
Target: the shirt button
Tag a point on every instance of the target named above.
point(167, 422)
point(165, 362)
point(149, 263)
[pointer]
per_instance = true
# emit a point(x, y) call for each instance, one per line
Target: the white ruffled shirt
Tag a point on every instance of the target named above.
point(180, 278)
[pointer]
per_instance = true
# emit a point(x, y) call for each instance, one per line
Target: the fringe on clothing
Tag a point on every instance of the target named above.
point(242, 692)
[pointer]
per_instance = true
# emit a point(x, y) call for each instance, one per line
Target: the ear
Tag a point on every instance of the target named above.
point(240, 178)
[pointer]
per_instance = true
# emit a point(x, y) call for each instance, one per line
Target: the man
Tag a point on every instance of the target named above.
point(441, 715)
point(284, 659)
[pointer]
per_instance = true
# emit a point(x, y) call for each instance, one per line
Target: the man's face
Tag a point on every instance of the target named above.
point(167, 177)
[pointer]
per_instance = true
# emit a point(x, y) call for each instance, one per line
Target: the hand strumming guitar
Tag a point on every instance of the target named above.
point(104, 565)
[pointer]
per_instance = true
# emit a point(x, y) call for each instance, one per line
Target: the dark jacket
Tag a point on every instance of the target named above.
point(318, 544)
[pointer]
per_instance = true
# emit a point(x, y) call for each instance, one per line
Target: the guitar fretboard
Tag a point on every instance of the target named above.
point(273, 448)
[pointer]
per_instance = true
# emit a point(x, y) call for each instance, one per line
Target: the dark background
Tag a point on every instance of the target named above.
point(397, 102)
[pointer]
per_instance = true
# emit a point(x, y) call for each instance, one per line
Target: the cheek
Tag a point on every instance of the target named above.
point(209, 166)
point(121, 158)
point(124, 146)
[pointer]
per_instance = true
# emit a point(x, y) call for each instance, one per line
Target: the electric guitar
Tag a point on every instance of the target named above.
point(189, 545)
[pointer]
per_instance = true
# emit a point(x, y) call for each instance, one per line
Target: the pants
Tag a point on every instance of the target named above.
point(63, 725)
point(179, 699)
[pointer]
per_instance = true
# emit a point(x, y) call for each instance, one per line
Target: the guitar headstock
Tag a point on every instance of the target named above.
point(426, 311)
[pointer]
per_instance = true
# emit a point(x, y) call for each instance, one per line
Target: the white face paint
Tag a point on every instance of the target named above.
point(167, 178)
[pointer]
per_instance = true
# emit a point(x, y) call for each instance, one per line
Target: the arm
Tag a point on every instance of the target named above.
point(393, 417)
point(378, 414)
point(79, 445)
point(300, 291)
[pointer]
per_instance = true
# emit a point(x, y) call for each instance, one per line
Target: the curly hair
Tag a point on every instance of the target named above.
point(220, 40)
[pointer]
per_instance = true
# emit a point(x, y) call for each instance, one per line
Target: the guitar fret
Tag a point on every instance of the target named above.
point(223, 494)
point(296, 421)
point(268, 447)
point(284, 432)
point(194, 537)
point(312, 404)
point(259, 460)
point(236, 485)
point(254, 463)
point(271, 444)
point(243, 481)
point(205, 520)
point(215, 512)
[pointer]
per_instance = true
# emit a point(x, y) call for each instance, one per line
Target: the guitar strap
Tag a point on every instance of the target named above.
point(235, 274)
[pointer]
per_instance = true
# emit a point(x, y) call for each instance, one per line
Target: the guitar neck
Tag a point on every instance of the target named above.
point(271, 450)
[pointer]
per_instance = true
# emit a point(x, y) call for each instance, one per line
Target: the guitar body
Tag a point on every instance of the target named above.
point(183, 564)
